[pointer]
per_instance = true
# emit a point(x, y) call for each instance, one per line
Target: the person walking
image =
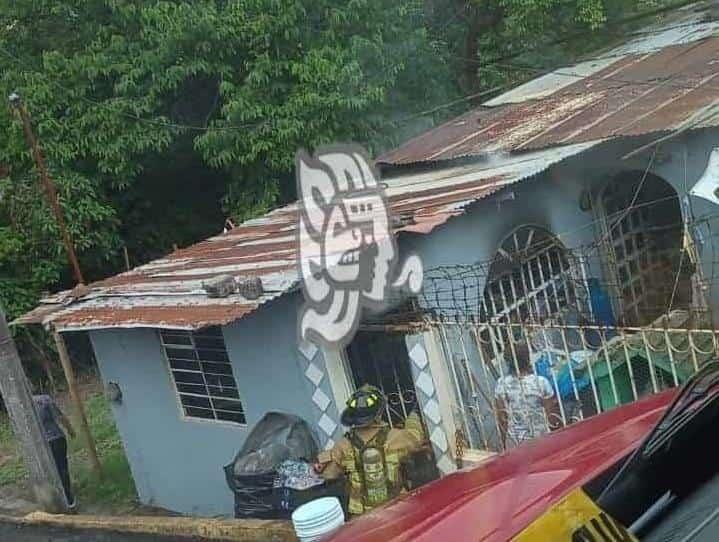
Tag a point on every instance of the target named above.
point(57, 427)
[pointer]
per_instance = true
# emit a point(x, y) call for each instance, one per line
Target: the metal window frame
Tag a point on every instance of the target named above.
point(532, 290)
point(403, 405)
point(178, 394)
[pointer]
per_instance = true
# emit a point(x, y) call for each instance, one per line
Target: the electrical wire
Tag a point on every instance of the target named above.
point(662, 82)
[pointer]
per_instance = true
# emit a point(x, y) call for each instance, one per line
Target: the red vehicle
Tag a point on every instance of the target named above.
point(648, 465)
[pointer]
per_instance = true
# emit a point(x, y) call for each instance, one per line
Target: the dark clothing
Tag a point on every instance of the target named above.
point(48, 413)
point(58, 446)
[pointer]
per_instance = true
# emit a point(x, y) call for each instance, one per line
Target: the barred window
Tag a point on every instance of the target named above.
point(202, 374)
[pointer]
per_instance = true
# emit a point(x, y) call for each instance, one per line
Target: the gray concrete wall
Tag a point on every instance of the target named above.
point(177, 462)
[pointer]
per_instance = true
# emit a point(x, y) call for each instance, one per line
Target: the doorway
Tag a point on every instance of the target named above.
point(642, 239)
point(381, 359)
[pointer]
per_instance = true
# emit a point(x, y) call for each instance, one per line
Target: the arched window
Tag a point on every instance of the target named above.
point(642, 241)
point(530, 278)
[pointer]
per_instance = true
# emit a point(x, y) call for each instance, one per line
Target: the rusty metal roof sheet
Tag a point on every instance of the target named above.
point(647, 86)
point(168, 292)
point(633, 91)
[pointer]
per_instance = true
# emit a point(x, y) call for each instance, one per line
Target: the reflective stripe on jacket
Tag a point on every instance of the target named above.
point(397, 446)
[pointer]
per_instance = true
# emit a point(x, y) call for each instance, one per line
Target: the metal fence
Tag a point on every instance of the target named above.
point(503, 374)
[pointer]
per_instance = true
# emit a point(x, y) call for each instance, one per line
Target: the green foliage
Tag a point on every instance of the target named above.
point(12, 469)
point(116, 488)
point(503, 42)
point(121, 93)
point(160, 118)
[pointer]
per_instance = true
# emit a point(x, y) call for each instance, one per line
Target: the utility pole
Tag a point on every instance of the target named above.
point(82, 426)
point(48, 184)
point(44, 476)
point(52, 199)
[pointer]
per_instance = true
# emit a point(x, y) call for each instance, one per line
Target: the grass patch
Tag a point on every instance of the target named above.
point(114, 492)
point(116, 487)
point(12, 471)
point(12, 468)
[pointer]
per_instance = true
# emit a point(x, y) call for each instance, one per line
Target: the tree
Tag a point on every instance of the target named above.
point(503, 42)
point(158, 117)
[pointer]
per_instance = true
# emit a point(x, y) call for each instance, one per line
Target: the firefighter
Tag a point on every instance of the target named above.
point(371, 453)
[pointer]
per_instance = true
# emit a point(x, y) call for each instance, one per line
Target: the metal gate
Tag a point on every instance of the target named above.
point(380, 359)
point(590, 369)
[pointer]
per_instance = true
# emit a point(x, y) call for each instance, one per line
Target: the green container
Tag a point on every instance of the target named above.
point(622, 382)
point(604, 384)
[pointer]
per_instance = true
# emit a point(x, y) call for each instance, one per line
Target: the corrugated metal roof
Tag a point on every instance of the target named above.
point(645, 86)
point(689, 24)
point(641, 88)
point(168, 292)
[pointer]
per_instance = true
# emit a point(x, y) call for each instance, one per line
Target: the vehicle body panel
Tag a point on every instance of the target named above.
point(499, 498)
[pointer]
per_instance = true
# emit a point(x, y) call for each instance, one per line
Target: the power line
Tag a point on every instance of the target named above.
point(179, 126)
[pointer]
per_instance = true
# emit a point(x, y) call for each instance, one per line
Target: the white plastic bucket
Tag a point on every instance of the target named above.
point(318, 518)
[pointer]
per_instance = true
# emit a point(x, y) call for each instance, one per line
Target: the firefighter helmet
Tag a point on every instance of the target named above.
point(363, 406)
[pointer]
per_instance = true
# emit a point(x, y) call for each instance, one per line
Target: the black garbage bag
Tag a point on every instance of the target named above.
point(251, 475)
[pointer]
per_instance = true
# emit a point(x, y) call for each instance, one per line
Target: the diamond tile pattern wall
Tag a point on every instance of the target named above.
point(320, 399)
point(429, 402)
point(425, 384)
point(418, 355)
point(431, 411)
point(314, 371)
point(314, 374)
point(327, 425)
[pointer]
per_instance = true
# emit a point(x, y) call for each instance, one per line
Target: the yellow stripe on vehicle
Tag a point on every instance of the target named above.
point(575, 519)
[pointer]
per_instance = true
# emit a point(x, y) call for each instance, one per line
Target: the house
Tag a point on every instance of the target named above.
point(561, 207)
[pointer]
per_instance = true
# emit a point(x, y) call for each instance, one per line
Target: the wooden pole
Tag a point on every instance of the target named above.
point(80, 418)
point(44, 476)
point(54, 202)
point(48, 185)
point(127, 257)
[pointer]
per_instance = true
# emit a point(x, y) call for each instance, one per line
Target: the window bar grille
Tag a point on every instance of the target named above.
point(400, 392)
point(553, 373)
point(610, 369)
point(483, 362)
point(670, 352)
point(690, 338)
point(590, 371)
point(572, 377)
